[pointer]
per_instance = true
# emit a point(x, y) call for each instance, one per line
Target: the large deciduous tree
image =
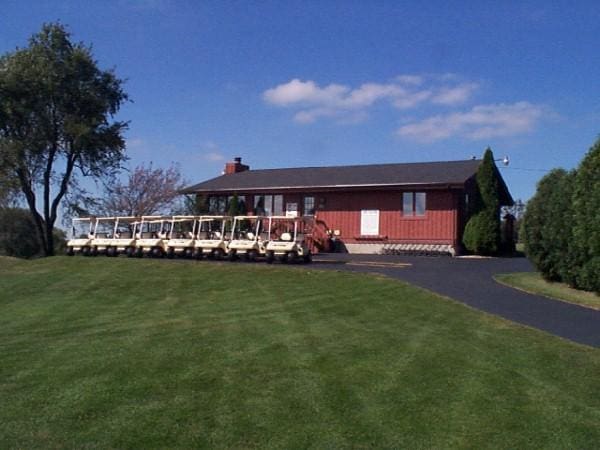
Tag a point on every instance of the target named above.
point(146, 191)
point(56, 122)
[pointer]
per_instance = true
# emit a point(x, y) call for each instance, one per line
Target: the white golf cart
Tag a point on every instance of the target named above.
point(182, 236)
point(114, 236)
point(287, 241)
point(104, 229)
point(246, 238)
point(212, 236)
point(82, 233)
point(152, 236)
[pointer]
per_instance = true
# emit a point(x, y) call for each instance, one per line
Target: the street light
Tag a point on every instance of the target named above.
point(504, 160)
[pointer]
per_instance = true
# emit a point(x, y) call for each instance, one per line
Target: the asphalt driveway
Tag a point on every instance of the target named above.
point(470, 281)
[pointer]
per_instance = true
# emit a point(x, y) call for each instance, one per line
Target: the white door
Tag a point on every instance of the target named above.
point(369, 222)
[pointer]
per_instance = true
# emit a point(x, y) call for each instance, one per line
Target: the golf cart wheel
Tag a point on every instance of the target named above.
point(139, 253)
point(85, 251)
point(188, 252)
point(292, 257)
point(232, 256)
point(218, 254)
point(197, 254)
point(170, 253)
point(157, 252)
point(251, 255)
point(70, 251)
point(308, 258)
point(130, 252)
point(111, 251)
point(270, 257)
point(94, 251)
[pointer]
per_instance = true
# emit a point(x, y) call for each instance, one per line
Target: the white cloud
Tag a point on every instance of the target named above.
point(134, 143)
point(211, 152)
point(455, 95)
point(481, 122)
point(350, 105)
point(214, 157)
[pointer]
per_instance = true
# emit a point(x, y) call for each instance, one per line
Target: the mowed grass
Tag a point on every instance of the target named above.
point(118, 353)
point(534, 283)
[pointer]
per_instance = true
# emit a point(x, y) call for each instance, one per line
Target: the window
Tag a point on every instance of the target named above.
point(414, 203)
point(309, 206)
point(407, 204)
point(419, 203)
point(268, 205)
point(278, 205)
point(217, 204)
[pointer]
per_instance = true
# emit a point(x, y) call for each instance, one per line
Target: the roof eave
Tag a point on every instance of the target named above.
point(433, 185)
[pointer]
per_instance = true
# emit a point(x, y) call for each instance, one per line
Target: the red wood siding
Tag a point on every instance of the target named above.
point(342, 211)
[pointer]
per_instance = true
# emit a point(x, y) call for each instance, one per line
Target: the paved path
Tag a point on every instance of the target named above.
point(470, 281)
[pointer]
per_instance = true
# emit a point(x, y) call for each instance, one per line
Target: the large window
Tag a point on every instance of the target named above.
point(219, 204)
point(309, 206)
point(267, 205)
point(414, 203)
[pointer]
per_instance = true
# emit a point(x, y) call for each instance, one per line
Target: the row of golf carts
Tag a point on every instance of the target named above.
point(217, 237)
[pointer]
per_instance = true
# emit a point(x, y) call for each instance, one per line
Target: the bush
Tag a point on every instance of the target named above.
point(482, 232)
point(562, 224)
point(547, 226)
point(588, 276)
point(585, 246)
point(18, 236)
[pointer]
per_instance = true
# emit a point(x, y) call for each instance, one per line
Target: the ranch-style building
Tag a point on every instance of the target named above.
point(378, 208)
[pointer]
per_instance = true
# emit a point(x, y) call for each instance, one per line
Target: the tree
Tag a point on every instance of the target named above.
point(56, 108)
point(482, 232)
point(547, 226)
point(147, 191)
point(194, 205)
point(585, 247)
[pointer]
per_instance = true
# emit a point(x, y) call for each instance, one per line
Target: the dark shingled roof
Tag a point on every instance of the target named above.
point(428, 173)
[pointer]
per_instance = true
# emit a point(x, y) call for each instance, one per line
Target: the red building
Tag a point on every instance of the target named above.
point(360, 209)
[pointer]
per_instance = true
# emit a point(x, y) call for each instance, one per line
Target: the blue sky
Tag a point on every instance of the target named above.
point(285, 84)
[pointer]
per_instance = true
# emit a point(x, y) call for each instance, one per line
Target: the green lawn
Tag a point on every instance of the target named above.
point(534, 283)
point(118, 353)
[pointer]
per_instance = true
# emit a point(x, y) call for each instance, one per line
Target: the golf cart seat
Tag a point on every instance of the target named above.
point(250, 235)
point(126, 235)
point(203, 235)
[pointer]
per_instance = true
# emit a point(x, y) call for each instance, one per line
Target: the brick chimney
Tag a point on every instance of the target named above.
point(235, 166)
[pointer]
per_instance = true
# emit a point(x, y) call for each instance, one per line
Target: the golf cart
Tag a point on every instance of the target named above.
point(103, 235)
point(82, 233)
point(286, 240)
point(246, 238)
point(114, 236)
point(152, 235)
point(212, 236)
point(181, 236)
